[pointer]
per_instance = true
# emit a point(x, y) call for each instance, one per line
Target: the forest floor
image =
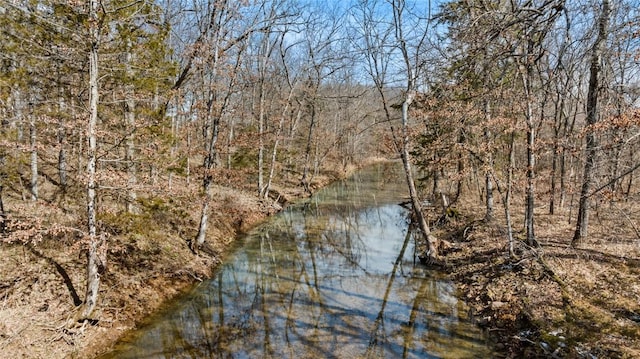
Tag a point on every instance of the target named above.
point(552, 300)
point(148, 263)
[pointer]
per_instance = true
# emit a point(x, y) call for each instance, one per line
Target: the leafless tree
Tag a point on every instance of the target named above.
point(593, 115)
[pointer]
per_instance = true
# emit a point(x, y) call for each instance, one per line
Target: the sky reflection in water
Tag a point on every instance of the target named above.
point(334, 277)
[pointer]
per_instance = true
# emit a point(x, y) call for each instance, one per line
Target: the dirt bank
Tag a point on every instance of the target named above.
point(552, 300)
point(149, 262)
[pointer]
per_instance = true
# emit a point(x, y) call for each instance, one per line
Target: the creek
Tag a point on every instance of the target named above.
point(333, 276)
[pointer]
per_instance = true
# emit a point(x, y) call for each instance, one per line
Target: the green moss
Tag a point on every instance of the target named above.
point(153, 204)
point(631, 331)
point(155, 218)
point(244, 158)
point(453, 212)
point(123, 222)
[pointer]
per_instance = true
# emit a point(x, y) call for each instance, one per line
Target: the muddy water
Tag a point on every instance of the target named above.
point(333, 277)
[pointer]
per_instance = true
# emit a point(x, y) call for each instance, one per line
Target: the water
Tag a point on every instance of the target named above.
point(334, 277)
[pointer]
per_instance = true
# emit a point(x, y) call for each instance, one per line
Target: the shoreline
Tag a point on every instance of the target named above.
point(538, 304)
point(532, 306)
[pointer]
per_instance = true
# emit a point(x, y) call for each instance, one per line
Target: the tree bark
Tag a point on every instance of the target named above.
point(34, 155)
point(266, 48)
point(204, 217)
point(211, 139)
point(62, 139)
point(130, 119)
point(592, 118)
point(93, 260)
point(554, 168)
point(529, 206)
point(209, 163)
point(261, 128)
point(432, 242)
point(460, 181)
point(307, 152)
point(265, 191)
point(488, 181)
point(3, 215)
point(507, 197)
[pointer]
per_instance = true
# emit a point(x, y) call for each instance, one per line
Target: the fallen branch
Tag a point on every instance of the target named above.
point(629, 171)
point(633, 225)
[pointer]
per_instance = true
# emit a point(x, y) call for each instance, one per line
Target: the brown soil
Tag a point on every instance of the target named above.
point(552, 300)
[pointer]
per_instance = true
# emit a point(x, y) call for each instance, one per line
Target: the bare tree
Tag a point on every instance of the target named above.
point(411, 69)
point(217, 103)
point(94, 262)
point(292, 81)
point(321, 38)
point(224, 36)
point(592, 119)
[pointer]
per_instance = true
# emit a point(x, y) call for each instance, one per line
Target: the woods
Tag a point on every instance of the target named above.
point(533, 79)
point(115, 112)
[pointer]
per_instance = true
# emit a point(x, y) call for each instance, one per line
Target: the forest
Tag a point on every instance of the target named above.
point(138, 138)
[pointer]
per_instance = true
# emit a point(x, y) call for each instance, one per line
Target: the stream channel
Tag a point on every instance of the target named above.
point(333, 276)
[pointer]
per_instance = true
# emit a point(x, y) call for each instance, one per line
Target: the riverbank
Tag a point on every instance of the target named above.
point(552, 300)
point(549, 301)
point(148, 263)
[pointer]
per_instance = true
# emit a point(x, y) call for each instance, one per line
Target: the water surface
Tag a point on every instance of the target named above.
point(333, 277)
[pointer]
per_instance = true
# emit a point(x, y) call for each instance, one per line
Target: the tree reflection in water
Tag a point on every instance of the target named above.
point(334, 277)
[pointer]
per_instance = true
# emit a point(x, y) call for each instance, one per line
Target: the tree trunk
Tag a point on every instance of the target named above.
point(489, 165)
point(204, 217)
point(3, 215)
point(93, 261)
point(460, 182)
point(18, 106)
point(212, 131)
point(592, 118)
point(212, 123)
point(432, 241)
point(568, 127)
point(559, 110)
point(307, 152)
point(62, 139)
point(554, 169)
point(507, 197)
point(488, 216)
point(529, 206)
point(230, 138)
point(209, 163)
point(630, 160)
point(62, 163)
point(276, 142)
point(130, 119)
point(261, 126)
point(34, 156)
point(187, 170)
point(616, 181)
